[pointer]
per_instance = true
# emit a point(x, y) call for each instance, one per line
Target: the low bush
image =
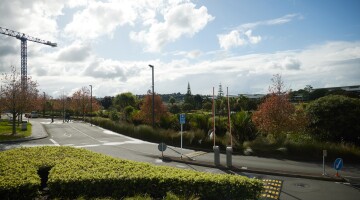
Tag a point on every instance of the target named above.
point(303, 147)
point(81, 173)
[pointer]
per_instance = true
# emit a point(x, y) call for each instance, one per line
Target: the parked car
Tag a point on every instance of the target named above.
point(33, 114)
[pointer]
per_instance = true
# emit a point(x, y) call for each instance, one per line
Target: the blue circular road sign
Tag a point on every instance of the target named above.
point(338, 164)
point(162, 147)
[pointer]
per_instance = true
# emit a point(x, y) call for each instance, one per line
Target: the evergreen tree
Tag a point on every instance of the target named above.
point(188, 96)
point(220, 91)
point(188, 90)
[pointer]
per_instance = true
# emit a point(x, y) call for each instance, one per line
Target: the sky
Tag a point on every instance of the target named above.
point(239, 44)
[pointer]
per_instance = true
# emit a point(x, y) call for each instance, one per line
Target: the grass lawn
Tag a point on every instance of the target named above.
point(6, 130)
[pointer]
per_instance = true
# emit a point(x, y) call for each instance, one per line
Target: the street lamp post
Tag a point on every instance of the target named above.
point(44, 105)
point(90, 105)
point(153, 96)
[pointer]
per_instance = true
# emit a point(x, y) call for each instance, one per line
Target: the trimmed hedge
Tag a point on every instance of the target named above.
point(79, 172)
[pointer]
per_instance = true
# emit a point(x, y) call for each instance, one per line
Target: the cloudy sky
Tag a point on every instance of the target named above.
point(238, 43)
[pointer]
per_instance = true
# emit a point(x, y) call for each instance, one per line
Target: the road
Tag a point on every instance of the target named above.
point(82, 135)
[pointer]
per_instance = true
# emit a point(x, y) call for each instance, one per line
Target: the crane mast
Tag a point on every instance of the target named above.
point(24, 38)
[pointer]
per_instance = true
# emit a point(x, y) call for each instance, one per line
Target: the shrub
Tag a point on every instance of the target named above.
point(114, 115)
point(335, 118)
point(242, 127)
point(81, 173)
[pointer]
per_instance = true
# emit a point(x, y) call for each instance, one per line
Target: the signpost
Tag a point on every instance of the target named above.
point(324, 155)
point(162, 147)
point(338, 164)
point(182, 121)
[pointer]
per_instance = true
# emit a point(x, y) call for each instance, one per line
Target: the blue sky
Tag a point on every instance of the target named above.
point(238, 43)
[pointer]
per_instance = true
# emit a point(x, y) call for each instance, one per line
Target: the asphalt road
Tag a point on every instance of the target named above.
point(82, 135)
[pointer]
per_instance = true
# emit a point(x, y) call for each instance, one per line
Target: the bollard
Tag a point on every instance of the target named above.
point(216, 155)
point(24, 125)
point(229, 151)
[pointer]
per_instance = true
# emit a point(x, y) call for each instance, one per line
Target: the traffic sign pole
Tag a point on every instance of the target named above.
point(181, 139)
point(324, 155)
point(338, 164)
point(182, 121)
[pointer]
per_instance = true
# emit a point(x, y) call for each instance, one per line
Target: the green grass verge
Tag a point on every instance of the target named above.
point(6, 130)
point(82, 173)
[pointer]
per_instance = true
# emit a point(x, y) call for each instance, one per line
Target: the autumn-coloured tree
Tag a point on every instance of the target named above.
point(145, 114)
point(17, 97)
point(80, 101)
point(276, 115)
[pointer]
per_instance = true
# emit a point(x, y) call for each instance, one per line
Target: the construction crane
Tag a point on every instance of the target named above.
point(24, 38)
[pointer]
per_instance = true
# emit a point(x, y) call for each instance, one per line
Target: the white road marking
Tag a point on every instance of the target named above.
point(54, 142)
point(85, 134)
point(89, 145)
point(158, 161)
point(126, 142)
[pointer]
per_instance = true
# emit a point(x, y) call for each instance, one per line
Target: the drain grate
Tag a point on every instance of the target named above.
point(272, 189)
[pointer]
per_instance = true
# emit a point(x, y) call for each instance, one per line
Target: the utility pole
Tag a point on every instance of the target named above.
point(44, 105)
point(153, 97)
point(90, 105)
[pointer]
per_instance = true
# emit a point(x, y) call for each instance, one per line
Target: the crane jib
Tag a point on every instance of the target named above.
point(24, 38)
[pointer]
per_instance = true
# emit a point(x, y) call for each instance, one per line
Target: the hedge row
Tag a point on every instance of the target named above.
point(79, 172)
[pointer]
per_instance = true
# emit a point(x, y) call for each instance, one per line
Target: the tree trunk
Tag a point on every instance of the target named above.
point(13, 123)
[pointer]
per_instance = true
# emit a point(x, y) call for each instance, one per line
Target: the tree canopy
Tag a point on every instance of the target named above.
point(335, 118)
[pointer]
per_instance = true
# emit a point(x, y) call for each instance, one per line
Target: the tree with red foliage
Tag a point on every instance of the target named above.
point(145, 114)
point(16, 96)
point(276, 115)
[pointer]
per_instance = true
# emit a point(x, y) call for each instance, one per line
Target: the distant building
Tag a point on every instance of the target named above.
point(354, 88)
point(253, 96)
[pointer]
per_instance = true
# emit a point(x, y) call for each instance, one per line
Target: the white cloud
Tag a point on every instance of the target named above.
point(183, 19)
point(35, 18)
point(285, 63)
point(99, 19)
point(75, 52)
point(271, 22)
point(237, 38)
point(242, 35)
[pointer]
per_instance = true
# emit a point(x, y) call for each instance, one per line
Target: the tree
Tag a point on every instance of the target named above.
point(80, 101)
point(175, 109)
point(318, 93)
point(242, 127)
point(198, 101)
point(335, 118)
point(106, 102)
point(145, 113)
point(276, 115)
point(220, 91)
point(277, 87)
point(172, 100)
point(128, 110)
point(17, 97)
point(124, 99)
